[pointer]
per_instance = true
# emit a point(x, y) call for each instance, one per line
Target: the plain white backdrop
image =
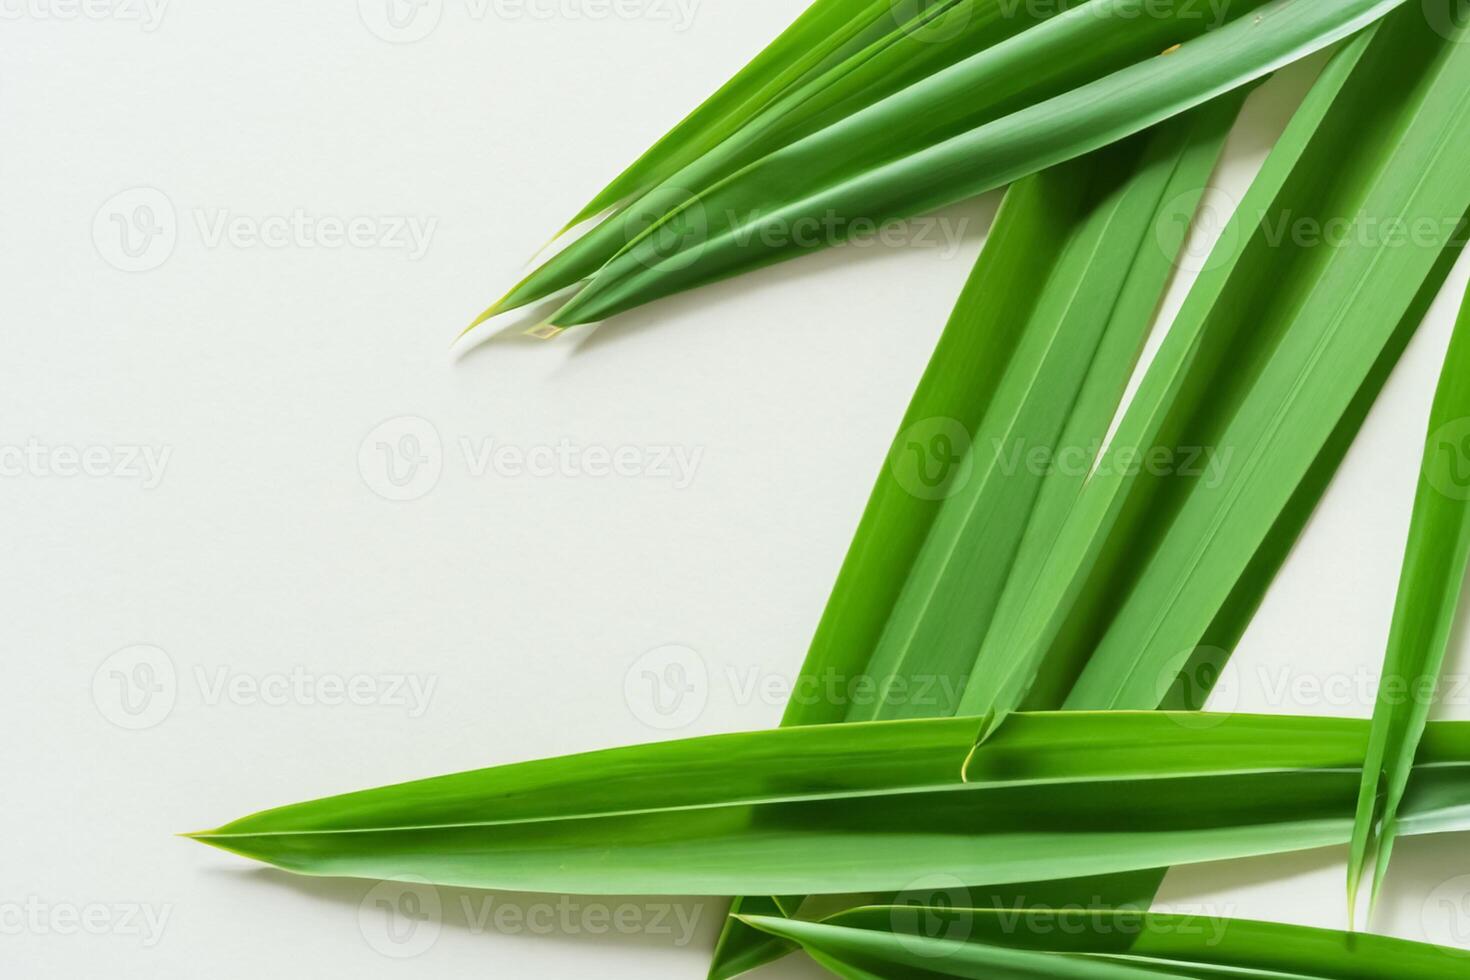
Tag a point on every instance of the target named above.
point(265, 540)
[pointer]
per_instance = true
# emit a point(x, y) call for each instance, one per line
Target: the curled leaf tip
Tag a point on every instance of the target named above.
point(987, 727)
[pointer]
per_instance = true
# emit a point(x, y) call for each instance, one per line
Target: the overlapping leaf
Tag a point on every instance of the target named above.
point(852, 808)
point(833, 178)
point(1268, 357)
point(1013, 372)
point(1433, 578)
point(903, 943)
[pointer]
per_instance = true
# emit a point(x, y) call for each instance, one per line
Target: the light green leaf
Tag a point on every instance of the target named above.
point(869, 807)
point(749, 219)
point(1087, 944)
point(1270, 354)
point(1083, 231)
point(1433, 579)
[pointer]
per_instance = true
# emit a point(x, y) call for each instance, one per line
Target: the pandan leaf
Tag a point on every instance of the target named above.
point(1089, 944)
point(750, 219)
point(870, 807)
point(1430, 587)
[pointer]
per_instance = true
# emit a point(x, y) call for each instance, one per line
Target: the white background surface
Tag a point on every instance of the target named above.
point(266, 551)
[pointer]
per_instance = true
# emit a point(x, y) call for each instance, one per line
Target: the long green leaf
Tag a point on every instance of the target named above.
point(934, 38)
point(933, 103)
point(749, 219)
point(1435, 563)
point(1084, 231)
point(1266, 359)
point(1094, 302)
point(851, 808)
point(1087, 944)
point(825, 28)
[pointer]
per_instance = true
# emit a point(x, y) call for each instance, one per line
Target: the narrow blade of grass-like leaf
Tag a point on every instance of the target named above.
point(1117, 195)
point(1106, 945)
point(826, 27)
point(1430, 587)
point(1265, 360)
point(935, 103)
point(1062, 386)
point(743, 223)
point(855, 808)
